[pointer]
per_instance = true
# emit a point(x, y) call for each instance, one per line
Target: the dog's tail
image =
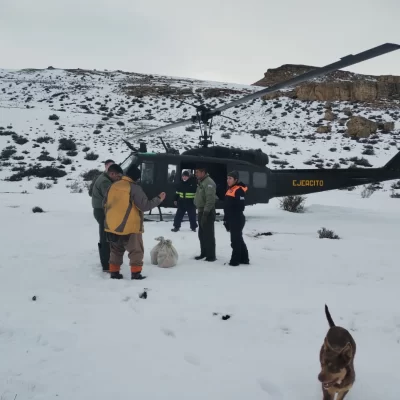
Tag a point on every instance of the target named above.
point(328, 316)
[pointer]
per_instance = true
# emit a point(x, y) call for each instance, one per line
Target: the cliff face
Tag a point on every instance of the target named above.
point(336, 86)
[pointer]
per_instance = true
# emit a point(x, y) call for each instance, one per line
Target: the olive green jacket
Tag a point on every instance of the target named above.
point(99, 189)
point(205, 196)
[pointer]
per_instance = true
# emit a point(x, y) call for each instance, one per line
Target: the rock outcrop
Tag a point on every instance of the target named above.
point(387, 126)
point(335, 86)
point(329, 115)
point(324, 129)
point(361, 127)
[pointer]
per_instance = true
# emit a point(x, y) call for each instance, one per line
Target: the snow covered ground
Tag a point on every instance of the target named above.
point(87, 336)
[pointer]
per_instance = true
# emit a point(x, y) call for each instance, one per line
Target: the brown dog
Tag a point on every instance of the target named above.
point(337, 361)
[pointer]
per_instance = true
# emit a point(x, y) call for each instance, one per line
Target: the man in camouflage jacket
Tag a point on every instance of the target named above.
point(204, 201)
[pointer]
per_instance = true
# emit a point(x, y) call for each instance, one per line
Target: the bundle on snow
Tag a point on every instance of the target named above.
point(167, 255)
point(154, 251)
point(164, 253)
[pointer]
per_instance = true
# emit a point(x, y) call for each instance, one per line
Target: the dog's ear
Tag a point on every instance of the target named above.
point(347, 353)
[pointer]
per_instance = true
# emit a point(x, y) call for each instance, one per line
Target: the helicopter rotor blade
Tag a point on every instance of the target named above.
point(207, 113)
point(344, 62)
point(165, 128)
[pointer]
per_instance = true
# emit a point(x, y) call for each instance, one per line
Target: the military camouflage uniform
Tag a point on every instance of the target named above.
point(204, 201)
point(97, 191)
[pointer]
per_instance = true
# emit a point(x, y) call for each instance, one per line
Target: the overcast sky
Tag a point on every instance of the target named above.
point(222, 40)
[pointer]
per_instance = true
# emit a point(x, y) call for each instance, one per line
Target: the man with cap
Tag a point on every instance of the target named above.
point(124, 205)
point(234, 219)
point(100, 186)
point(184, 198)
point(204, 200)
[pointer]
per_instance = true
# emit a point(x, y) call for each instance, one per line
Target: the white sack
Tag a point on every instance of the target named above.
point(154, 251)
point(167, 255)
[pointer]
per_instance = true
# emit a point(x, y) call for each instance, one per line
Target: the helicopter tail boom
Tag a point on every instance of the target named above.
point(305, 181)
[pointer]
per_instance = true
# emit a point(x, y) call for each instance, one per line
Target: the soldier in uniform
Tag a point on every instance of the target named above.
point(184, 201)
point(234, 219)
point(204, 201)
point(99, 189)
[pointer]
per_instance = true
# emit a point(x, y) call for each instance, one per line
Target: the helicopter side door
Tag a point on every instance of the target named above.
point(216, 170)
point(148, 178)
point(159, 176)
point(259, 187)
point(170, 177)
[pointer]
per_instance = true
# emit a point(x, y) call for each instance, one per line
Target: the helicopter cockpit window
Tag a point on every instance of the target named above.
point(147, 177)
point(171, 173)
point(259, 180)
point(244, 176)
point(132, 159)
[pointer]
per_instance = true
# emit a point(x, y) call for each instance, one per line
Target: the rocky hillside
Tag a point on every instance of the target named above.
point(57, 125)
point(336, 86)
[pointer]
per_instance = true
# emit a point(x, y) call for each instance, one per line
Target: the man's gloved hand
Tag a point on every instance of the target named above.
point(226, 226)
point(204, 218)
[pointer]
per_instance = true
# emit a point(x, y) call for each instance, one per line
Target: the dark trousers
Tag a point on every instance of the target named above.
point(207, 235)
point(240, 254)
point(180, 213)
point(104, 246)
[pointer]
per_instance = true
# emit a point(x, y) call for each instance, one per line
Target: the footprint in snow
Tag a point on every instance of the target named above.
point(270, 388)
point(41, 341)
point(191, 359)
point(167, 332)
point(285, 330)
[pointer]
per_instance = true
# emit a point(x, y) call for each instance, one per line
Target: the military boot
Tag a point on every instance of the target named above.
point(104, 253)
point(137, 276)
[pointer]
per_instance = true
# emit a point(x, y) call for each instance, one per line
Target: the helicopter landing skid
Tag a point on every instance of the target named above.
point(170, 217)
point(159, 213)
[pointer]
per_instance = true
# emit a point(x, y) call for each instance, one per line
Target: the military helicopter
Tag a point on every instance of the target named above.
point(162, 171)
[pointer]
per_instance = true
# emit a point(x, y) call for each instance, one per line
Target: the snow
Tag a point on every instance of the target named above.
point(87, 336)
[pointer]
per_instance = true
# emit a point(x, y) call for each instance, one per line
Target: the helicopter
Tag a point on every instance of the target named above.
point(162, 171)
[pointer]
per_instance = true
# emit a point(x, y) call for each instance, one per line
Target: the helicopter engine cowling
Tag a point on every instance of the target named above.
point(257, 157)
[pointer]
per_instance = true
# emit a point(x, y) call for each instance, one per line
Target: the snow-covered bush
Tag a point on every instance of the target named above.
point(293, 203)
point(327, 234)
